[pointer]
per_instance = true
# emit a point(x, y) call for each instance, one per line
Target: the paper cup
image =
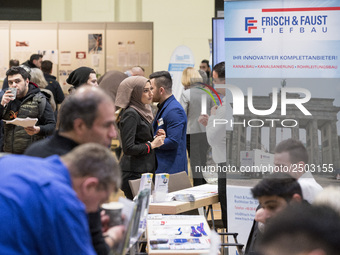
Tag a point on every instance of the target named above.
point(114, 210)
point(13, 91)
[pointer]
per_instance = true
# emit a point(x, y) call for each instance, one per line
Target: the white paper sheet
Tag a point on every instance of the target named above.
point(27, 122)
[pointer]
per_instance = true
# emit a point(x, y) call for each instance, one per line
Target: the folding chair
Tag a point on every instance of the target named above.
point(179, 181)
point(134, 186)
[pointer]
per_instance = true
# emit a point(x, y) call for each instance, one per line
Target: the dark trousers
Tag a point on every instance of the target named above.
point(222, 193)
point(197, 146)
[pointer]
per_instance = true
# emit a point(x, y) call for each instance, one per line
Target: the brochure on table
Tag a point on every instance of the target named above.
point(178, 232)
point(161, 187)
point(145, 182)
point(197, 192)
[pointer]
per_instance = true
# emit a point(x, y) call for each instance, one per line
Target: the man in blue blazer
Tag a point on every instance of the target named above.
point(171, 156)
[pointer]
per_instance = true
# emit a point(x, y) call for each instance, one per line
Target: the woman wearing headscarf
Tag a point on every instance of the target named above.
point(110, 81)
point(134, 96)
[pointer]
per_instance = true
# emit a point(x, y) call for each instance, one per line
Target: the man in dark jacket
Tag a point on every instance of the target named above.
point(52, 83)
point(28, 102)
point(34, 61)
point(86, 116)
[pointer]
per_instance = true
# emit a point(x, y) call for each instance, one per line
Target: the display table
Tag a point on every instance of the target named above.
point(178, 234)
point(205, 195)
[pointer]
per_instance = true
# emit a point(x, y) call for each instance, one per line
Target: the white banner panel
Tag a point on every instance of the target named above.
point(282, 39)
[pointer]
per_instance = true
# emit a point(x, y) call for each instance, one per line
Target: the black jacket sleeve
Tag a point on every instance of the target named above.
point(1, 111)
point(5, 84)
point(2, 108)
point(59, 93)
point(97, 235)
point(47, 121)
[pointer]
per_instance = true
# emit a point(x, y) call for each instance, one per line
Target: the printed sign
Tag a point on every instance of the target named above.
point(287, 39)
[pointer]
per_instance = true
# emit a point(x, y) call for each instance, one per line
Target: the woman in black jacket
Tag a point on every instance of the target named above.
point(134, 96)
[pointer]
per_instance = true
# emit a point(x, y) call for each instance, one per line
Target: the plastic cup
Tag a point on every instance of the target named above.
point(13, 91)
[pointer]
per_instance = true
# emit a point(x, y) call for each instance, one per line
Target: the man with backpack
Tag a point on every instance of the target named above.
point(28, 102)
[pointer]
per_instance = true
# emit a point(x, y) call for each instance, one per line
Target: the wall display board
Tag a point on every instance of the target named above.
point(80, 44)
point(29, 37)
point(282, 69)
point(4, 55)
point(129, 44)
point(69, 45)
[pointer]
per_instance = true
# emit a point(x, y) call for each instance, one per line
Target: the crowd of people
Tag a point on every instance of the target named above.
point(61, 168)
